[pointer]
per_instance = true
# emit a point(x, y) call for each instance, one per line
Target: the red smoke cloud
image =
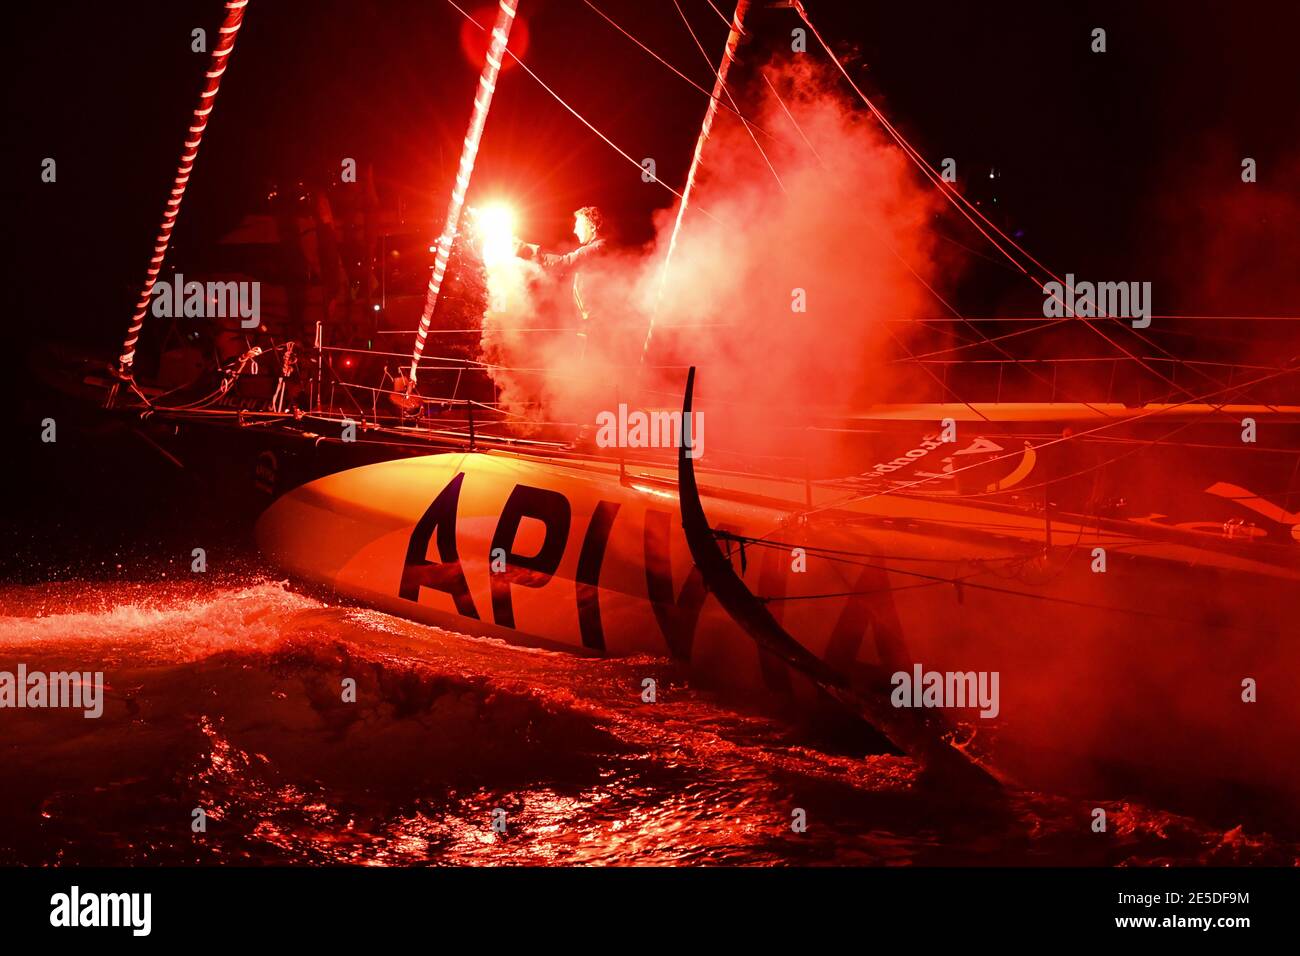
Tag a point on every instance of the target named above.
point(842, 239)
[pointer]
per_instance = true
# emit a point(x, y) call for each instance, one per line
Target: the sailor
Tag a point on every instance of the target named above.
point(588, 227)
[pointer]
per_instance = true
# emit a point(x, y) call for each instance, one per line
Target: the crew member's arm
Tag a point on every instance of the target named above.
point(567, 261)
point(571, 259)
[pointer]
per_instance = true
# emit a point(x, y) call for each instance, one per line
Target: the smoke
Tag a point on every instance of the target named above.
point(780, 294)
point(1232, 248)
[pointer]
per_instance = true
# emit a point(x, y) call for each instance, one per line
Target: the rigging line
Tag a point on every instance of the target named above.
point(888, 589)
point(730, 99)
point(793, 122)
point(1154, 315)
point(1086, 359)
point(1253, 449)
point(960, 200)
point(1199, 336)
point(486, 89)
point(964, 582)
point(1142, 446)
point(843, 556)
point(898, 341)
point(831, 554)
point(799, 129)
point(582, 119)
point(943, 384)
point(1001, 264)
point(1047, 483)
point(929, 288)
point(986, 340)
point(812, 149)
point(501, 330)
point(218, 61)
point(723, 17)
point(474, 362)
point(929, 172)
point(347, 388)
point(954, 195)
point(1056, 441)
point(335, 380)
point(1047, 324)
point(731, 109)
point(942, 301)
point(706, 128)
point(1140, 337)
point(1233, 318)
point(1152, 343)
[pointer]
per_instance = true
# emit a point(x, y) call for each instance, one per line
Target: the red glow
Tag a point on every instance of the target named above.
point(474, 42)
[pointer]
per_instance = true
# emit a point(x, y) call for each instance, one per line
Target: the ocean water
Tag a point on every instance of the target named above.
point(226, 696)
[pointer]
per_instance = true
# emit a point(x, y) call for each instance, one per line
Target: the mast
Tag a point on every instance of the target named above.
point(719, 88)
point(487, 83)
point(207, 99)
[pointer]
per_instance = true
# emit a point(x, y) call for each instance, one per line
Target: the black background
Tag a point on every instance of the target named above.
point(1109, 165)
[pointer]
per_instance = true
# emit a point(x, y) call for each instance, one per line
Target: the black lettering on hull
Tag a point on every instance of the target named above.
point(677, 617)
point(530, 571)
point(445, 574)
point(870, 606)
point(590, 559)
point(772, 584)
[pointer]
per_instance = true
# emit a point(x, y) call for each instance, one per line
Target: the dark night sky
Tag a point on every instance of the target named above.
point(1107, 161)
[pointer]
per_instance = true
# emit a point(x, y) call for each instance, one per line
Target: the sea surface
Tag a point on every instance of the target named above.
point(224, 695)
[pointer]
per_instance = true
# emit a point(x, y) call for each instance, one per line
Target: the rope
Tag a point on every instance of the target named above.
point(728, 54)
point(487, 84)
point(730, 99)
point(582, 119)
point(919, 278)
point(722, 16)
point(198, 123)
point(1076, 436)
point(793, 122)
point(961, 204)
point(731, 109)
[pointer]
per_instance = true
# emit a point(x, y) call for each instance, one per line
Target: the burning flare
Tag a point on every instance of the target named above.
point(495, 225)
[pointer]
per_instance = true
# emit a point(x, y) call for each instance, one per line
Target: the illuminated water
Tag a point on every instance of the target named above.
point(227, 697)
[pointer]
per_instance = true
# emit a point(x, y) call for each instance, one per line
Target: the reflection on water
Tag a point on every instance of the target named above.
point(230, 701)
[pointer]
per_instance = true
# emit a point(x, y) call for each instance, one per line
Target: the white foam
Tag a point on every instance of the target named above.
point(176, 627)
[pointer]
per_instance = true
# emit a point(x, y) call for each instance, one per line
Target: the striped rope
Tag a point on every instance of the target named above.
point(749, 127)
point(198, 123)
point(719, 87)
point(487, 84)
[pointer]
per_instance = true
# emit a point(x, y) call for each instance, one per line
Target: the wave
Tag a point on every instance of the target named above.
point(311, 733)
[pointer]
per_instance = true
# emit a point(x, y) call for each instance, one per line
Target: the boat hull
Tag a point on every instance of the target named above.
point(1165, 669)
